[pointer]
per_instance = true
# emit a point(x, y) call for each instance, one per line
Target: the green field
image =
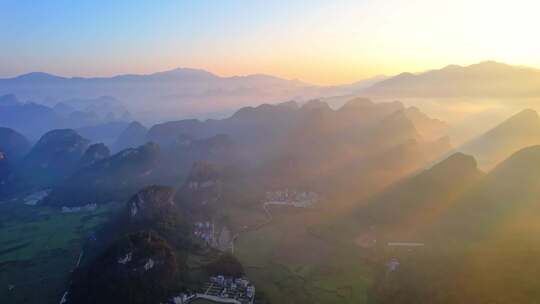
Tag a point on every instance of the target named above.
point(39, 246)
point(289, 264)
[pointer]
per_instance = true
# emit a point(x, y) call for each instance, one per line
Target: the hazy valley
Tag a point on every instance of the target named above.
point(332, 198)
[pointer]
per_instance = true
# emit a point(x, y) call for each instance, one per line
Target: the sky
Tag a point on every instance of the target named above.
point(318, 41)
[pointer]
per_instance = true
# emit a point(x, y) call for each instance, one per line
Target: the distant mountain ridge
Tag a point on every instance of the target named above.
point(95, 117)
point(186, 92)
point(174, 74)
point(180, 92)
point(485, 79)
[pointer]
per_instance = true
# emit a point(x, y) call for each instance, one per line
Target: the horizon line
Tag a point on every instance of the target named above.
point(254, 74)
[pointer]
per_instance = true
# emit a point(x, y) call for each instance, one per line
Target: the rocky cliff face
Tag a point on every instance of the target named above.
point(147, 256)
point(155, 208)
point(139, 268)
point(150, 204)
point(93, 154)
point(6, 176)
point(202, 187)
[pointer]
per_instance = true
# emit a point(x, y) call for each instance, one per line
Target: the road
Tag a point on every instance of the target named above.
point(254, 227)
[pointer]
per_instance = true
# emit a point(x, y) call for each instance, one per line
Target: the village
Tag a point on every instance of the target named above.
point(218, 238)
point(221, 289)
point(293, 198)
point(205, 232)
point(87, 207)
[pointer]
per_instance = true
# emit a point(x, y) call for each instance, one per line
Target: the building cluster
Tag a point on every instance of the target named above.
point(87, 207)
point(392, 265)
point(34, 198)
point(204, 231)
point(221, 289)
point(239, 289)
point(183, 298)
point(125, 259)
point(295, 198)
point(405, 244)
point(195, 185)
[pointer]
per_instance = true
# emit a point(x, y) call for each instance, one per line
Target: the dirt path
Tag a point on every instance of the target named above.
point(254, 227)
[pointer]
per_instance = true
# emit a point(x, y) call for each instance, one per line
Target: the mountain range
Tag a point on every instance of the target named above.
point(98, 118)
point(360, 146)
point(164, 95)
point(488, 79)
point(185, 92)
point(469, 225)
point(389, 167)
point(76, 102)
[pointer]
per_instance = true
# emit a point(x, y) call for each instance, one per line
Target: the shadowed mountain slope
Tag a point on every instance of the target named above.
point(410, 208)
point(517, 132)
point(132, 136)
point(53, 157)
point(13, 144)
point(112, 178)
